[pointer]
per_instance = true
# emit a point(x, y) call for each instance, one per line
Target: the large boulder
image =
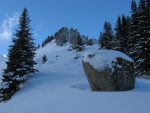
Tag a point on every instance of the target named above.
point(109, 70)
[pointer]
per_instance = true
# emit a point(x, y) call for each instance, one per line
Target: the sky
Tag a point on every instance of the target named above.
point(47, 16)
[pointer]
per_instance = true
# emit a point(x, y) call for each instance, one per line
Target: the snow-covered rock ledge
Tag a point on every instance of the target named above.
point(109, 70)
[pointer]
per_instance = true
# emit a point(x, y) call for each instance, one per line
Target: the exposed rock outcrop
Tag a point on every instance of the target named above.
point(115, 76)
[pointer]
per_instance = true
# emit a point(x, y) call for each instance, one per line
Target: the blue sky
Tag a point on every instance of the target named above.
point(48, 16)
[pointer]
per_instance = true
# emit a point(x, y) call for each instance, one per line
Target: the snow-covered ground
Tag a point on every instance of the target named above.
point(62, 87)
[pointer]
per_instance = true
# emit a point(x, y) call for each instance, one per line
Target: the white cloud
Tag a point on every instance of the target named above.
point(5, 35)
point(7, 26)
point(5, 56)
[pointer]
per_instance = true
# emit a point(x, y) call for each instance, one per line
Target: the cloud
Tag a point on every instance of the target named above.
point(7, 26)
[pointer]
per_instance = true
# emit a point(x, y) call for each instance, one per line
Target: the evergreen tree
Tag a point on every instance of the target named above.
point(20, 59)
point(91, 42)
point(137, 49)
point(147, 39)
point(117, 41)
point(125, 34)
point(61, 36)
point(139, 36)
point(120, 42)
point(44, 59)
point(141, 49)
point(106, 36)
point(77, 44)
point(47, 40)
point(133, 33)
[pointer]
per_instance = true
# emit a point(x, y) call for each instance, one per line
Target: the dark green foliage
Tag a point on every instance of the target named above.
point(72, 36)
point(61, 36)
point(132, 36)
point(117, 41)
point(121, 39)
point(85, 39)
point(65, 35)
point(125, 33)
point(77, 44)
point(20, 59)
point(44, 59)
point(140, 37)
point(133, 33)
point(47, 40)
point(106, 36)
point(91, 42)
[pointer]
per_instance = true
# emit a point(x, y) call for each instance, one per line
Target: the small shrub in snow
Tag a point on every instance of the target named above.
point(44, 59)
point(77, 56)
point(57, 56)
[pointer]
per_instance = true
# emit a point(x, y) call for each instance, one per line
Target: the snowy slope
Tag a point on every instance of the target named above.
point(62, 87)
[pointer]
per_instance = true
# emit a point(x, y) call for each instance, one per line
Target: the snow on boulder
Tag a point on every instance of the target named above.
point(109, 70)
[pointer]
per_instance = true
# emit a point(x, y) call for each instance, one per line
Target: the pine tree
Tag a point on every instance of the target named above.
point(106, 36)
point(91, 41)
point(141, 49)
point(77, 44)
point(125, 34)
point(44, 59)
point(20, 59)
point(117, 41)
point(147, 39)
point(139, 36)
point(137, 49)
point(120, 42)
point(133, 33)
point(61, 36)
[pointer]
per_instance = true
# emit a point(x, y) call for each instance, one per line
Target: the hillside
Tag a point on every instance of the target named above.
point(62, 87)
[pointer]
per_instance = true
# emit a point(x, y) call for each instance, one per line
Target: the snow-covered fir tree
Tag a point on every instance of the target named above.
point(65, 35)
point(133, 34)
point(78, 44)
point(106, 36)
point(20, 59)
point(117, 43)
point(125, 33)
point(120, 42)
point(141, 49)
point(61, 36)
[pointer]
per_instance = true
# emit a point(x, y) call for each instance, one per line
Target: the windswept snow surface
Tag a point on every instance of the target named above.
point(62, 87)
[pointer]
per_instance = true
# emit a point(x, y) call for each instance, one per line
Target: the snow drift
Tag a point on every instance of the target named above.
point(62, 87)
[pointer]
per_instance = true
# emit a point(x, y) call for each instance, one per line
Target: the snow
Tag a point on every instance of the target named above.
point(104, 58)
point(62, 87)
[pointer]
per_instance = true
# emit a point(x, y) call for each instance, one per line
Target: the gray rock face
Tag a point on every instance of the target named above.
point(119, 78)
